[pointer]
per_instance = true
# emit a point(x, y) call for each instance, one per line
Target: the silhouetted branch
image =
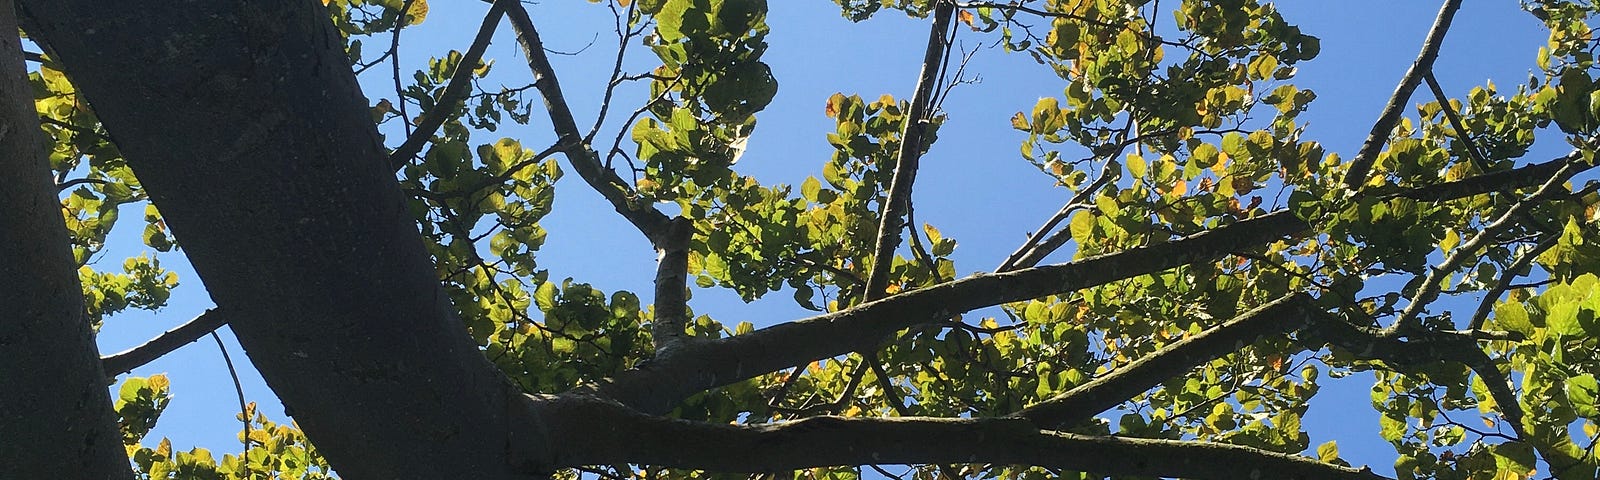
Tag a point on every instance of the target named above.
point(127, 360)
point(454, 92)
point(1511, 273)
point(628, 436)
point(583, 158)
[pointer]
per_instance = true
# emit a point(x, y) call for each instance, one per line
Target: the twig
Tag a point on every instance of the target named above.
point(623, 35)
point(1362, 164)
point(455, 91)
point(244, 410)
point(651, 222)
point(63, 186)
point(905, 167)
point(127, 360)
point(394, 61)
point(1477, 158)
point(1033, 250)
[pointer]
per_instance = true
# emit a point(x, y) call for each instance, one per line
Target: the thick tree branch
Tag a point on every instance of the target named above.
point(127, 360)
point(672, 290)
point(1362, 164)
point(1520, 177)
point(294, 221)
point(454, 92)
point(605, 433)
point(581, 155)
point(1085, 401)
point(658, 386)
point(56, 419)
point(894, 207)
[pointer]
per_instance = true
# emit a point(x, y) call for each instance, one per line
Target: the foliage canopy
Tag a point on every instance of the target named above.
point(1215, 268)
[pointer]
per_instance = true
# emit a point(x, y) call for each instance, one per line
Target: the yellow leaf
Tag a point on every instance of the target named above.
point(417, 13)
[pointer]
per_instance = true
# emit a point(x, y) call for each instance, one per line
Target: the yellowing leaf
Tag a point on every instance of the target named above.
point(417, 13)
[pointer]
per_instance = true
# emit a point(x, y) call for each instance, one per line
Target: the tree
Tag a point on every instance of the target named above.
point(391, 297)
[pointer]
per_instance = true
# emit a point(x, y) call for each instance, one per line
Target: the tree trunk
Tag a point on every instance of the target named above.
point(244, 122)
point(55, 415)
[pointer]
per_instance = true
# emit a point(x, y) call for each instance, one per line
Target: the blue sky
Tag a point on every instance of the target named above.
point(973, 185)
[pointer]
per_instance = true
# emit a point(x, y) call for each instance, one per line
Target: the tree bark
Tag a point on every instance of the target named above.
point(245, 123)
point(56, 419)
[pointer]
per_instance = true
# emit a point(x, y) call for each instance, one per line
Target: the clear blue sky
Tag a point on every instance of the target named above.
point(973, 185)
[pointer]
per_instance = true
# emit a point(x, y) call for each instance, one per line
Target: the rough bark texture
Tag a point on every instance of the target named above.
point(246, 125)
point(55, 414)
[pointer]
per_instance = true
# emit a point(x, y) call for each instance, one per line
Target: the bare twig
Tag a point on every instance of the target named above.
point(624, 35)
point(394, 61)
point(1034, 250)
point(651, 222)
point(244, 410)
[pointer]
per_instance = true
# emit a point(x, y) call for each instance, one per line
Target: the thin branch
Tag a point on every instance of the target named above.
point(455, 91)
point(906, 159)
point(394, 61)
point(80, 181)
point(651, 222)
point(244, 410)
point(1481, 315)
point(1450, 115)
point(672, 274)
point(660, 385)
point(624, 34)
point(1433, 282)
point(127, 360)
point(1362, 164)
point(628, 436)
point(1425, 348)
point(1034, 250)
point(1085, 401)
point(891, 393)
point(1520, 177)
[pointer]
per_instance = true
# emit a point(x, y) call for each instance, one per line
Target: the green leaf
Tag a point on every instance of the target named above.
point(1513, 457)
point(1583, 391)
point(809, 188)
point(1513, 316)
point(1136, 165)
point(545, 296)
point(1328, 452)
point(1082, 226)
